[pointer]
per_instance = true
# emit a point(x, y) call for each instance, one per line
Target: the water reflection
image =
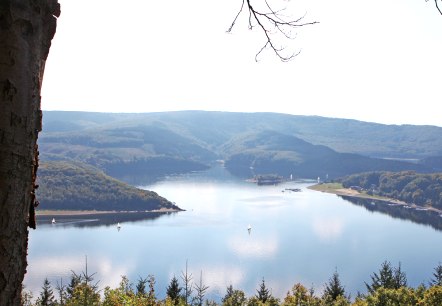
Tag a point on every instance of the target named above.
point(420, 216)
point(328, 229)
point(252, 247)
point(99, 219)
point(294, 237)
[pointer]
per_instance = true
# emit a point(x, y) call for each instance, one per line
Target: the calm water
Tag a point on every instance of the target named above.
point(295, 237)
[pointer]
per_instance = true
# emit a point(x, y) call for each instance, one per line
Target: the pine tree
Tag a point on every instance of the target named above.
point(61, 289)
point(234, 297)
point(141, 286)
point(334, 289)
point(75, 281)
point(200, 292)
point(388, 277)
point(263, 293)
point(437, 280)
point(81, 290)
point(47, 295)
point(400, 278)
point(187, 280)
point(151, 294)
point(383, 279)
point(229, 294)
point(173, 291)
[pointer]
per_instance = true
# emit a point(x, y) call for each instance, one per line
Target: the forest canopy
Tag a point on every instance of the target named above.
point(407, 186)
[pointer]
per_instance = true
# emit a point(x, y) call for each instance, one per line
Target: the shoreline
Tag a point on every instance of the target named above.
point(71, 212)
point(336, 188)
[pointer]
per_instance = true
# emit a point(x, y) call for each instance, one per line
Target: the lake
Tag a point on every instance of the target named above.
point(295, 237)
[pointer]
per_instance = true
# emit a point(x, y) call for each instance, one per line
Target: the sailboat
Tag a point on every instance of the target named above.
point(249, 228)
point(53, 221)
point(119, 226)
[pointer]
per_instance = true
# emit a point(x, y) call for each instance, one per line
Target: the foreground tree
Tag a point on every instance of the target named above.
point(389, 297)
point(263, 297)
point(299, 295)
point(388, 277)
point(334, 290)
point(187, 278)
point(234, 297)
point(263, 293)
point(26, 31)
point(432, 296)
point(47, 295)
point(200, 290)
point(437, 276)
point(173, 291)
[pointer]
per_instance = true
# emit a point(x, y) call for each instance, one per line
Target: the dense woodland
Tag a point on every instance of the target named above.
point(387, 287)
point(407, 186)
point(76, 186)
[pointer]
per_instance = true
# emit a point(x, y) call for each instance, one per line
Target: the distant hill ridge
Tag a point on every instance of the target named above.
point(169, 142)
point(341, 135)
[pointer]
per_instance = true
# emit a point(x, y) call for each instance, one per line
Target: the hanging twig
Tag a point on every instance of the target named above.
point(273, 24)
point(437, 6)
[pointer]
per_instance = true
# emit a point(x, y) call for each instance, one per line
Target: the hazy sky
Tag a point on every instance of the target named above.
point(378, 60)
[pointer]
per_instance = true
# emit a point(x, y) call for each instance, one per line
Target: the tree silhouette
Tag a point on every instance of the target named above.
point(47, 295)
point(334, 289)
point(437, 276)
point(187, 280)
point(141, 286)
point(173, 291)
point(200, 289)
point(388, 277)
point(263, 293)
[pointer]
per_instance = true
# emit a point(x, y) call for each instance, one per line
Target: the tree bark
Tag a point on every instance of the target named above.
point(26, 30)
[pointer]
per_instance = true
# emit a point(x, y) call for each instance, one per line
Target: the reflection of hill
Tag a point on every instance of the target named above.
point(426, 217)
point(94, 220)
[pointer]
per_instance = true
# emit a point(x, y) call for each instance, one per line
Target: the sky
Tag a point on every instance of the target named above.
point(376, 61)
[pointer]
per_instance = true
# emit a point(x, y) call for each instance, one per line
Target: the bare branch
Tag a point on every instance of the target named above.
point(237, 15)
point(274, 25)
point(437, 6)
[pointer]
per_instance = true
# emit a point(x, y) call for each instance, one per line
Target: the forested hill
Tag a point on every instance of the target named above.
point(272, 152)
point(75, 186)
point(408, 186)
point(213, 129)
point(249, 143)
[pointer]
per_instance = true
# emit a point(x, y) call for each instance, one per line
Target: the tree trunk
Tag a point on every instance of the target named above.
point(26, 31)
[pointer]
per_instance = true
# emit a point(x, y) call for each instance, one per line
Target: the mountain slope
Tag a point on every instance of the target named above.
point(213, 129)
point(76, 186)
point(272, 152)
point(163, 143)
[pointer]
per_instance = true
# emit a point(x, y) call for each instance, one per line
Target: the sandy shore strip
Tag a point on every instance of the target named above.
point(336, 188)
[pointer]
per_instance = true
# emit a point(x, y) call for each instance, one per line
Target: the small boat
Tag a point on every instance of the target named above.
point(53, 221)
